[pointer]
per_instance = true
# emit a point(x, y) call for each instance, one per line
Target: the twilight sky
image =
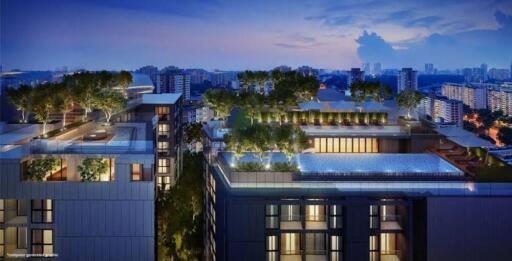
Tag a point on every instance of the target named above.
point(236, 34)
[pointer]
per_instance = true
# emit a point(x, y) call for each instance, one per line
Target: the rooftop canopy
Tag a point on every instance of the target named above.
point(162, 98)
point(463, 137)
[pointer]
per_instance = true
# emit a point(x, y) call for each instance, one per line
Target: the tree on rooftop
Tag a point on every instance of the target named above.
point(221, 101)
point(110, 102)
point(44, 103)
point(409, 99)
point(253, 78)
point(251, 104)
point(289, 140)
point(86, 88)
point(22, 98)
point(63, 100)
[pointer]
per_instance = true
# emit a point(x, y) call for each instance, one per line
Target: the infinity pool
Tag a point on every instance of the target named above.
point(364, 163)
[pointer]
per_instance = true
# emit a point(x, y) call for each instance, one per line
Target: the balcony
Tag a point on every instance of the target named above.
point(390, 255)
point(316, 222)
point(290, 222)
point(391, 222)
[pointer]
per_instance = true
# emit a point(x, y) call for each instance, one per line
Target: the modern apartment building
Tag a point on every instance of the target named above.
point(407, 79)
point(471, 95)
point(62, 216)
point(442, 110)
point(364, 190)
point(175, 81)
point(87, 192)
point(164, 112)
point(500, 98)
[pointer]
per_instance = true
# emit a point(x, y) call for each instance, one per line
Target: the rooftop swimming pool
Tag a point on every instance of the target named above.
point(362, 164)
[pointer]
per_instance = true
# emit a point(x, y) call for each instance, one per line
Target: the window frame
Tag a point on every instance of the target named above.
point(44, 209)
point(140, 174)
point(43, 243)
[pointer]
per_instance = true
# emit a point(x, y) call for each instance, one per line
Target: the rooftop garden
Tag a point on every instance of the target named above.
point(280, 104)
point(262, 139)
point(104, 91)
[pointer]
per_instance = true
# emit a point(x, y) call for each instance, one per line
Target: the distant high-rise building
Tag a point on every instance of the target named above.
point(429, 68)
point(498, 74)
point(355, 75)
point(473, 96)
point(366, 68)
point(500, 98)
point(223, 78)
point(152, 72)
point(407, 79)
point(483, 72)
point(198, 76)
point(377, 69)
point(175, 81)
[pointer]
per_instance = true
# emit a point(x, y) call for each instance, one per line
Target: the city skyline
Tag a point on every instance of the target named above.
point(237, 36)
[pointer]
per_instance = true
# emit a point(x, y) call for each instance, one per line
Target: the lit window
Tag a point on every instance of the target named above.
point(163, 146)
point(42, 211)
point(315, 213)
point(271, 247)
point(335, 248)
point(374, 248)
point(336, 216)
point(163, 166)
point(136, 172)
point(290, 244)
point(2, 243)
point(271, 216)
point(163, 129)
point(42, 241)
point(2, 211)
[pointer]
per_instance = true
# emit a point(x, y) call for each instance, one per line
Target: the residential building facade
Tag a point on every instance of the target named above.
point(407, 79)
point(473, 96)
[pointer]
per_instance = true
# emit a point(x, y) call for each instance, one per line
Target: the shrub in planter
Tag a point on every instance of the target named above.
point(284, 167)
point(38, 168)
point(249, 166)
point(91, 168)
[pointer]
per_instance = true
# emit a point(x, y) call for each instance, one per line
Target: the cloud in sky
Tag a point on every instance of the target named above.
point(445, 50)
point(228, 34)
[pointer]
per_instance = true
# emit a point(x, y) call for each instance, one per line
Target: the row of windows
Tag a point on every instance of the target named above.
point(318, 215)
point(42, 241)
point(303, 243)
point(41, 210)
point(163, 182)
point(346, 145)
